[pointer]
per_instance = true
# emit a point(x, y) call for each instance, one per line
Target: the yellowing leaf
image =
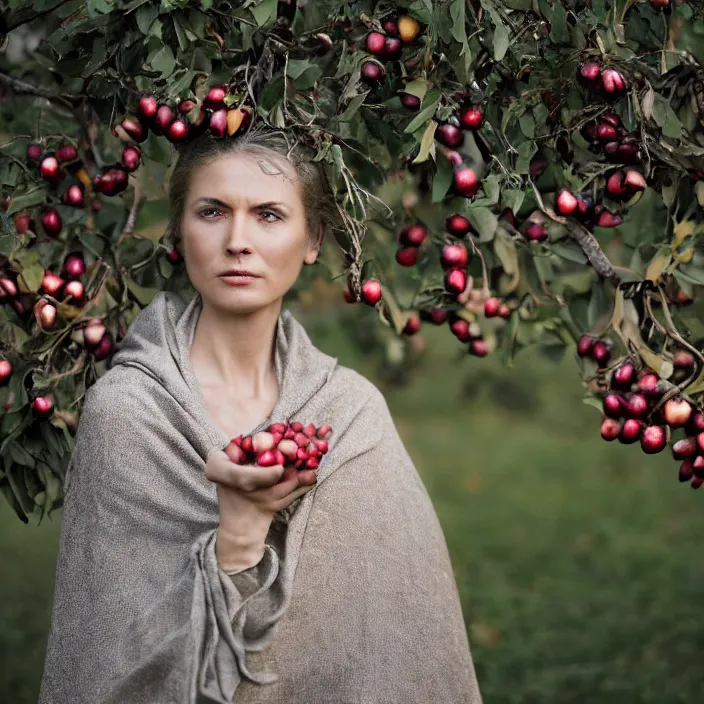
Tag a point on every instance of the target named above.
point(427, 142)
point(505, 249)
point(657, 266)
point(699, 190)
point(682, 231)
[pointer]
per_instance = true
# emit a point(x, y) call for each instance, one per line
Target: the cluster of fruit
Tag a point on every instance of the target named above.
point(186, 120)
point(387, 45)
point(634, 410)
point(602, 79)
point(606, 135)
point(290, 445)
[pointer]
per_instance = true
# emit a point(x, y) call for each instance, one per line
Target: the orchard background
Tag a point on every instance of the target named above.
point(521, 184)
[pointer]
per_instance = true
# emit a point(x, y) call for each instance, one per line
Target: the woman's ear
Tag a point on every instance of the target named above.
point(314, 250)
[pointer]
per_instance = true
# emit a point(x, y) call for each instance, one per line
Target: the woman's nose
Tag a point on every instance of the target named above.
point(237, 236)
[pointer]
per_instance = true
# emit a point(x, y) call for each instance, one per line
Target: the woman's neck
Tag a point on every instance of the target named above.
point(235, 353)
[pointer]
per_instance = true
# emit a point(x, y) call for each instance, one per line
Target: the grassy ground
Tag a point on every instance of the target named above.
point(577, 560)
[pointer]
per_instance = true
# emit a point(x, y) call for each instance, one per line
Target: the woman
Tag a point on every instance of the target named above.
point(182, 577)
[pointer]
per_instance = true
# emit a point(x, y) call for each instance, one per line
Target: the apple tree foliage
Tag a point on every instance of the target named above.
point(565, 136)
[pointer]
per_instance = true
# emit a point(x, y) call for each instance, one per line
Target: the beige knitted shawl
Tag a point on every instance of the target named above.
point(354, 601)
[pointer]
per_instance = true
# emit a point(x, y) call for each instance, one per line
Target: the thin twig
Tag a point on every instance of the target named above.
point(23, 88)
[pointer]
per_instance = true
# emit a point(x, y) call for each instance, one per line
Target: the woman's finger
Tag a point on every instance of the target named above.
point(291, 497)
point(244, 477)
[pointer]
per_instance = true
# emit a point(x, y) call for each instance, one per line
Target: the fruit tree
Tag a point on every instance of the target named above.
point(522, 172)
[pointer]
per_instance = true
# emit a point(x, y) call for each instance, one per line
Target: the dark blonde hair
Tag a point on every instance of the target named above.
point(272, 146)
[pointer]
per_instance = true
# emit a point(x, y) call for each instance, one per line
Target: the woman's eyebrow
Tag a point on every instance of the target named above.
point(273, 204)
point(211, 201)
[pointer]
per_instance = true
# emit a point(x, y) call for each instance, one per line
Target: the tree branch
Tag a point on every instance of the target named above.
point(23, 88)
point(35, 16)
point(601, 263)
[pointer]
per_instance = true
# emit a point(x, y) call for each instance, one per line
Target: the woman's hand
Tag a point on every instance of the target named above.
point(248, 498)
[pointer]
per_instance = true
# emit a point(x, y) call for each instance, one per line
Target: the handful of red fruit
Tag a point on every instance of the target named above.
point(293, 445)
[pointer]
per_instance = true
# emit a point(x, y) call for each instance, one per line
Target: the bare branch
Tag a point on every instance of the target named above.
point(23, 88)
point(601, 263)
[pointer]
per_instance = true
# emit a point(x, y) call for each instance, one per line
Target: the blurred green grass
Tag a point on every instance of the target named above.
point(577, 560)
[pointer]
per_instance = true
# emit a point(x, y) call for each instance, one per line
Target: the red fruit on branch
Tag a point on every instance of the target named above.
point(607, 219)
point(325, 41)
point(631, 431)
point(371, 292)
point(613, 405)
point(66, 153)
point(634, 181)
point(51, 170)
point(614, 185)
point(130, 157)
point(51, 221)
point(601, 353)
point(74, 196)
point(696, 423)
point(134, 129)
point(375, 42)
point(466, 181)
point(372, 73)
point(215, 97)
point(218, 123)
point(391, 27)
point(147, 106)
point(412, 325)
point(606, 132)
point(454, 255)
point(185, 106)
point(460, 329)
point(407, 256)
point(74, 289)
point(536, 232)
point(491, 307)
point(437, 315)
point(472, 117)
point(51, 284)
point(590, 71)
point(686, 470)
point(449, 135)
point(44, 313)
point(34, 152)
point(698, 466)
point(613, 81)
point(624, 375)
point(93, 332)
point(683, 359)
point(164, 117)
point(456, 281)
point(637, 405)
point(479, 348)
point(22, 222)
point(43, 406)
point(687, 447)
point(457, 225)
point(653, 440)
point(410, 102)
point(5, 371)
point(584, 346)
point(8, 288)
point(177, 131)
point(610, 429)
point(392, 49)
point(677, 412)
point(74, 266)
point(612, 118)
point(660, 3)
point(648, 383)
point(412, 235)
point(566, 203)
point(349, 296)
point(174, 257)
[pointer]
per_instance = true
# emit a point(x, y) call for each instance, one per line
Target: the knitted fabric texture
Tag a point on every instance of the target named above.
point(353, 602)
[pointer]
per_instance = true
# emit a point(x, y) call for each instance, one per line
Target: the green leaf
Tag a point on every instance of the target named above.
point(484, 222)
point(143, 295)
point(264, 12)
point(164, 61)
point(527, 123)
point(145, 17)
point(421, 118)
point(32, 268)
point(442, 180)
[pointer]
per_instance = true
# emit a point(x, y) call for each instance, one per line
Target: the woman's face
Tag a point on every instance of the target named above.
point(243, 211)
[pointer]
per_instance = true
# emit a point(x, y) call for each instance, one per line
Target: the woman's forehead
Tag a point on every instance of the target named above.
point(245, 176)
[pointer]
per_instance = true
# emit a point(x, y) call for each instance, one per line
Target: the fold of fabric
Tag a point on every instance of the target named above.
point(354, 599)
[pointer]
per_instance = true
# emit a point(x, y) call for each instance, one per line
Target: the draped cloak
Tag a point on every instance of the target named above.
point(353, 602)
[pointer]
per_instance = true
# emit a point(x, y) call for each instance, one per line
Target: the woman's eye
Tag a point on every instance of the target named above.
point(209, 213)
point(266, 213)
